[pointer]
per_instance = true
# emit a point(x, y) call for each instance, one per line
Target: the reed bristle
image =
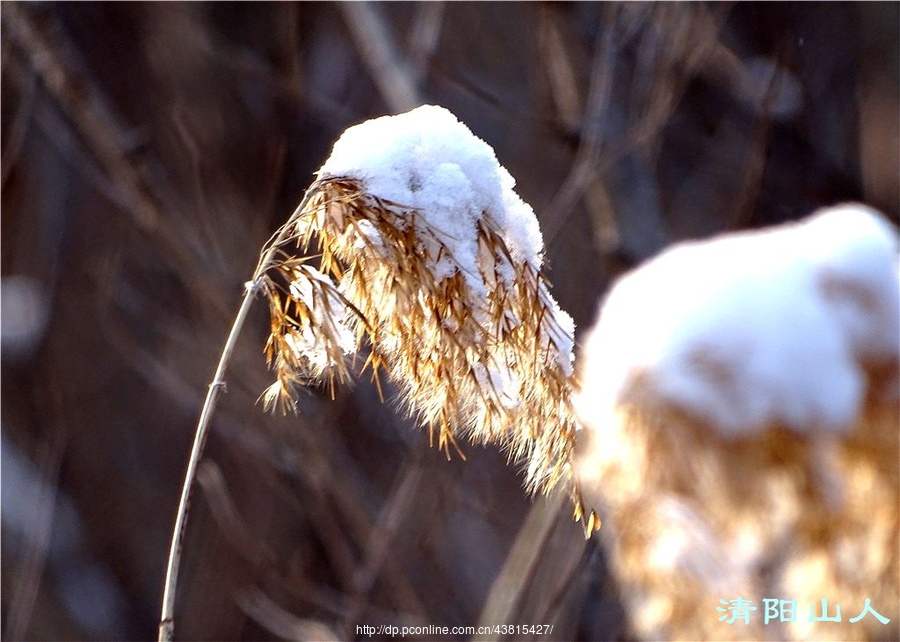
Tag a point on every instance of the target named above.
point(484, 361)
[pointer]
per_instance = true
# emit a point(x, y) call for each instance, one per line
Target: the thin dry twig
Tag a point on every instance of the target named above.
point(587, 158)
point(340, 517)
point(337, 497)
point(19, 128)
point(275, 619)
point(560, 71)
point(389, 521)
point(755, 162)
point(425, 37)
point(677, 43)
point(227, 516)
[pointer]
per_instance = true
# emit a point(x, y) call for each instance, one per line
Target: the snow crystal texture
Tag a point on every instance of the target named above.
point(427, 160)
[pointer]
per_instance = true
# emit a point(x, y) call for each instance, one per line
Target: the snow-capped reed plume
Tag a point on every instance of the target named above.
point(740, 397)
point(429, 255)
point(413, 248)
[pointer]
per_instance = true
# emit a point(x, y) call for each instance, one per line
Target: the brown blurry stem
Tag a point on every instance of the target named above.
point(378, 52)
point(519, 568)
point(167, 616)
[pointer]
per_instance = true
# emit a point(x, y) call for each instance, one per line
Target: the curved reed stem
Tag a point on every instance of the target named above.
point(167, 616)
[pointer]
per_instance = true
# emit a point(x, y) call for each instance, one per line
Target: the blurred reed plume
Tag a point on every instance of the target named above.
point(696, 518)
point(744, 446)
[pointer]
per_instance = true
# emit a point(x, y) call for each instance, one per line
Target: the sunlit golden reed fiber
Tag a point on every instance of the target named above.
point(483, 356)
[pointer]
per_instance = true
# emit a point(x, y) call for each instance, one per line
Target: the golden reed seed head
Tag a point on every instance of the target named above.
point(751, 473)
point(485, 356)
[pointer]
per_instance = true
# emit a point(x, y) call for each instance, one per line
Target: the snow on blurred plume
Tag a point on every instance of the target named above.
point(755, 329)
point(740, 398)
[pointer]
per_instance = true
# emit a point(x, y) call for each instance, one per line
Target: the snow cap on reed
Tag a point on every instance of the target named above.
point(429, 161)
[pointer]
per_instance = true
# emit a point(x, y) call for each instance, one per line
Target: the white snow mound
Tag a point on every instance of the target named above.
point(429, 161)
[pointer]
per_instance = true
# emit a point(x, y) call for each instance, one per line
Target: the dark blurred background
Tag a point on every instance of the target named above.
point(150, 149)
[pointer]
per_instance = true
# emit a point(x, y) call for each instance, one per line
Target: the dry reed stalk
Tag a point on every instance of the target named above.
point(502, 603)
point(482, 356)
point(167, 620)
